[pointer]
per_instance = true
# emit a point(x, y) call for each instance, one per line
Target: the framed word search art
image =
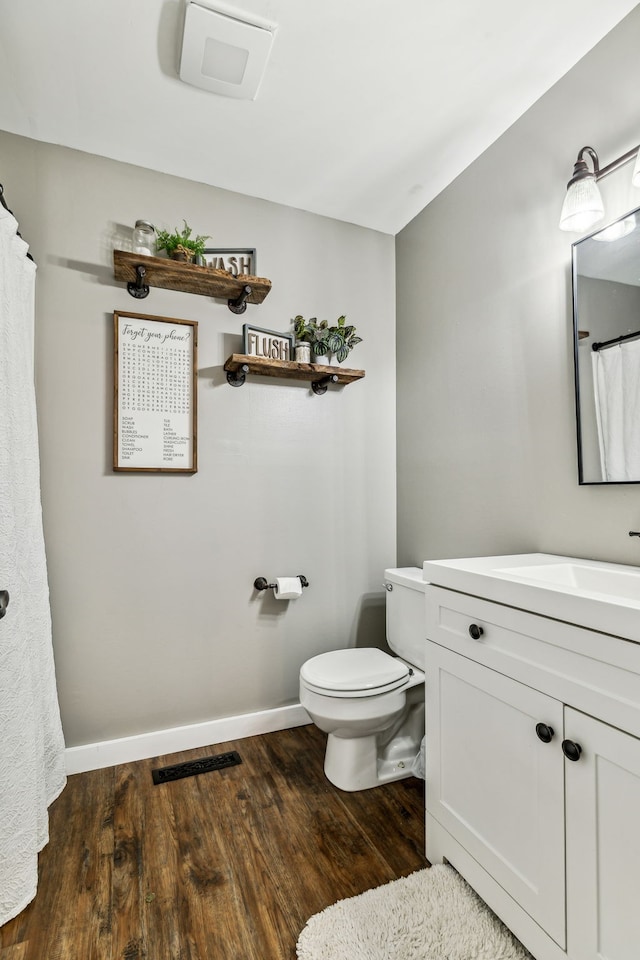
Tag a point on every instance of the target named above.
point(155, 395)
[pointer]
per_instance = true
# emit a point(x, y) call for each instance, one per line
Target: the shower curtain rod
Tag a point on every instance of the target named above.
point(611, 343)
point(4, 204)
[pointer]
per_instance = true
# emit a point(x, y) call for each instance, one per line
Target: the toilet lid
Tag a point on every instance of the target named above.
point(358, 670)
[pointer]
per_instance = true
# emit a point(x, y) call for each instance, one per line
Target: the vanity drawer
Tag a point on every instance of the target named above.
point(591, 671)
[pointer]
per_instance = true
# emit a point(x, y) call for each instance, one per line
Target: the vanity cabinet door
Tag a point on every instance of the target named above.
point(493, 784)
point(603, 841)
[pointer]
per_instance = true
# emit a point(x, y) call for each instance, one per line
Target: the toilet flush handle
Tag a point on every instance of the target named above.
point(388, 586)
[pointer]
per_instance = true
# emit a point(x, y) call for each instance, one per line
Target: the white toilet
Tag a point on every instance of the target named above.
point(369, 703)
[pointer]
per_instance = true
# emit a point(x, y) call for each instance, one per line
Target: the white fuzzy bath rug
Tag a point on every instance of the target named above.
point(430, 915)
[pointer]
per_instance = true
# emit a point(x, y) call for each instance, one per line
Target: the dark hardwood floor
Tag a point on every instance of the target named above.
point(227, 865)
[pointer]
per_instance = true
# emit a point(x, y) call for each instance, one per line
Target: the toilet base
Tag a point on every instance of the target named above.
point(360, 763)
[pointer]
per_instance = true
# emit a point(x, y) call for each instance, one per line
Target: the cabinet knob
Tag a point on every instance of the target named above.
point(544, 732)
point(475, 631)
point(571, 750)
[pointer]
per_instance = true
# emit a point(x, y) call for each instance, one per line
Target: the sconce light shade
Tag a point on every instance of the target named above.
point(582, 206)
point(224, 50)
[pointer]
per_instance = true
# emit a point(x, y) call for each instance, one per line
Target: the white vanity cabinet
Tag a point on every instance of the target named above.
point(603, 841)
point(494, 785)
point(552, 844)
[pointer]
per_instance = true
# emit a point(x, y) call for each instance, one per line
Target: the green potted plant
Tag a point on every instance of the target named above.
point(312, 333)
point(180, 245)
point(342, 339)
point(303, 330)
point(339, 339)
point(320, 345)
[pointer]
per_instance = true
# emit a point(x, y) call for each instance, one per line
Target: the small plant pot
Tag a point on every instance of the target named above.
point(181, 256)
point(303, 352)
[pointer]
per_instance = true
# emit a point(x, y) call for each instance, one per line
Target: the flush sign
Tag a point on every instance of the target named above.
point(270, 344)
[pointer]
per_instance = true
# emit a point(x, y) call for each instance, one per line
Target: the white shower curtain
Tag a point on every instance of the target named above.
point(616, 383)
point(31, 743)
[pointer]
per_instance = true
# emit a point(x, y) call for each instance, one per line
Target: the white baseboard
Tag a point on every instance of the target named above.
point(107, 753)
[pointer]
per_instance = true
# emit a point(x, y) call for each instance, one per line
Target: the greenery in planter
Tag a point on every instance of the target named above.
point(342, 339)
point(181, 242)
point(305, 330)
point(312, 332)
point(339, 339)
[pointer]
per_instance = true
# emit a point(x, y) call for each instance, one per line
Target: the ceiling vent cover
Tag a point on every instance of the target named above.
point(224, 50)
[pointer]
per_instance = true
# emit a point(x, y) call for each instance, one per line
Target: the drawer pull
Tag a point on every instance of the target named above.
point(571, 750)
point(544, 732)
point(475, 631)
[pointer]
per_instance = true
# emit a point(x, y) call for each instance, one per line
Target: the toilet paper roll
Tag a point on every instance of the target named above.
point(287, 588)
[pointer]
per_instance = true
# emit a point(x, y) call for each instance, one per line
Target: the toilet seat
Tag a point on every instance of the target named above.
point(361, 672)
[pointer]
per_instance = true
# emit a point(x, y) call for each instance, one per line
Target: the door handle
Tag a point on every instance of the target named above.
point(544, 732)
point(571, 750)
point(4, 602)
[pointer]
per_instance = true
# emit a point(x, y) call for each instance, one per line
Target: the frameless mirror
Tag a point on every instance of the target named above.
point(606, 333)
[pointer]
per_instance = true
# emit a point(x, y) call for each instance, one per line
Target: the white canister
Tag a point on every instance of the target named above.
point(303, 352)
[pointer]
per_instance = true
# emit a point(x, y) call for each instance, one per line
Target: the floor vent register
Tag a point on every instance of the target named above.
point(193, 767)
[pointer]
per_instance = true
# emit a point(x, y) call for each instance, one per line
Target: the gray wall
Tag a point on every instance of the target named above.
point(487, 458)
point(156, 623)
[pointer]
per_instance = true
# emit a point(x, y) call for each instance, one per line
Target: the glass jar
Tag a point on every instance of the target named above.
point(303, 352)
point(144, 238)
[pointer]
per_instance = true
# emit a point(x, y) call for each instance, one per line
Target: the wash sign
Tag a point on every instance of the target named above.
point(237, 261)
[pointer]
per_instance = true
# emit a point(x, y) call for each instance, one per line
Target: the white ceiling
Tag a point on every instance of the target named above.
point(367, 111)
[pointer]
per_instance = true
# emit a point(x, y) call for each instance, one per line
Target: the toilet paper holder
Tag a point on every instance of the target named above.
point(261, 583)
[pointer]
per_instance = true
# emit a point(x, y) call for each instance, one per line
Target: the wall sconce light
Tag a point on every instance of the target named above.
point(583, 205)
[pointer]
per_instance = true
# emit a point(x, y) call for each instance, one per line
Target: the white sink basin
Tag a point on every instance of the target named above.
point(590, 593)
point(599, 579)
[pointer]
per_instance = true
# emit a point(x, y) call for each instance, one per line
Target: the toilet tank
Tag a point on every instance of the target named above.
point(406, 614)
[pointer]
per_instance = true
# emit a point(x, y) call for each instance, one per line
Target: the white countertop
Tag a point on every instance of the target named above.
point(590, 593)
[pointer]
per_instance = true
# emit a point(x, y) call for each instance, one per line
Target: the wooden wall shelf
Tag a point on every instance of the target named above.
point(140, 273)
point(239, 365)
